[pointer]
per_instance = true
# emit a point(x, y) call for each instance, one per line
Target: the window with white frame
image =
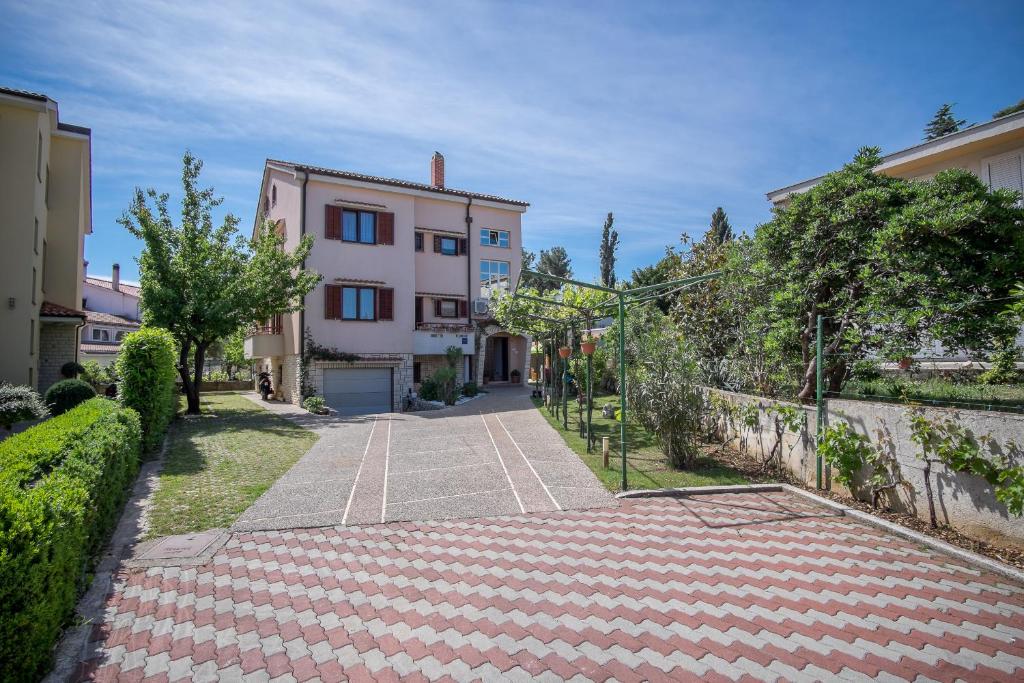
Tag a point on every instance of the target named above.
point(493, 275)
point(1005, 172)
point(100, 335)
point(494, 238)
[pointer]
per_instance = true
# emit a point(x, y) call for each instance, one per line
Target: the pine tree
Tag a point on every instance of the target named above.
point(609, 243)
point(553, 262)
point(943, 123)
point(721, 230)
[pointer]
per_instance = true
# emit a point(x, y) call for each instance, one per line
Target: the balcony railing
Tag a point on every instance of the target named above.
point(459, 328)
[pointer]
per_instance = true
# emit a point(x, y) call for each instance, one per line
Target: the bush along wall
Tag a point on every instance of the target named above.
point(62, 484)
point(147, 385)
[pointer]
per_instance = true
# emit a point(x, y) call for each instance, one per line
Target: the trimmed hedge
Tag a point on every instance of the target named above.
point(62, 483)
point(146, 368)
point(68, 393)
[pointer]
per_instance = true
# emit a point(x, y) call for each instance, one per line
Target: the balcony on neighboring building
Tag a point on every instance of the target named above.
point(265, 341)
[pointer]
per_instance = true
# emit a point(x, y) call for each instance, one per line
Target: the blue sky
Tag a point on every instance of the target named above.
point(658, 112)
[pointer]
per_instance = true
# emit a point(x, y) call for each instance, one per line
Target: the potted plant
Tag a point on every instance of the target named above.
point(906, 363)
point(564, 352)
point(588, 344)
point(515, 375)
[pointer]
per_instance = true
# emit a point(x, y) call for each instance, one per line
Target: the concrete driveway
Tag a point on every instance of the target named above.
point(495, 455)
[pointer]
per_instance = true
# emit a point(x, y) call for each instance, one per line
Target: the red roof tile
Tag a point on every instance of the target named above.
point(130, 290)
point(110, 319)
point(52, 310)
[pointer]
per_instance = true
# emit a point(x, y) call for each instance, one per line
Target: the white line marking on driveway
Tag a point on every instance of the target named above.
point(522, 508)
point(352, 493)
point(449, 467)
point(457, 495)
point(387, 457)
point(528, 463)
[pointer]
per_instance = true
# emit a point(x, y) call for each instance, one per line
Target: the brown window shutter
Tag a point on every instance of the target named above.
point(437, 244)
point(385, 228)
point(332, 302)
point(463, 245)
point(385, 303)
point(463, 308)
point(332, 222)
point(437, 308)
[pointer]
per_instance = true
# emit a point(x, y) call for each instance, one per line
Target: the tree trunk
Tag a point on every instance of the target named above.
point(928, 493)
point(192, 392)
point(186, 380)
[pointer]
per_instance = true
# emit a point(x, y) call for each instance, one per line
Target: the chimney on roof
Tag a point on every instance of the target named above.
point(115, 279)
point(437, 170)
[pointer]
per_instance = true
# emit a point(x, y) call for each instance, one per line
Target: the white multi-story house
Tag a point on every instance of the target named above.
point(111, 311)
point(407, 268)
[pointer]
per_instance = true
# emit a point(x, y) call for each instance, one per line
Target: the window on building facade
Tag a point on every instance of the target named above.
point(419, 241)
point(494, 238)
point(358, 303)
point(449, 246)
point(273, 195)
point(449, 308)
point(39, 159)
point(359, 226)
point(100, 335)
point(494, 275)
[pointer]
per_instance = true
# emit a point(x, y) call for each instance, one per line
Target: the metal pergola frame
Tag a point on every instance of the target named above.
point(618, 300)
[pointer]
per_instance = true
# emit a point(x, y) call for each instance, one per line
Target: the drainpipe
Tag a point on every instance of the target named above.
point(302, 311)
point(469, 282)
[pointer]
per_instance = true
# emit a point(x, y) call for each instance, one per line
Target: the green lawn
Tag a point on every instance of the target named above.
point(219, 462)
point(647, 467)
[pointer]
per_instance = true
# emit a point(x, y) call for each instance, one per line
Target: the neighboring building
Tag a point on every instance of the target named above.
point(112, 311)
point(407, 269)
point(45, 214)
point(993, 151)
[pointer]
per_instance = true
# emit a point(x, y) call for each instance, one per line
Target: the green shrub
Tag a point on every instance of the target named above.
point(146, 368)
point(470, 389)
point(71, 370)
point(444, 379)
point(429, 391)
point(68, 393)
point(19, 403)
point(62, 483)
point(314, 404)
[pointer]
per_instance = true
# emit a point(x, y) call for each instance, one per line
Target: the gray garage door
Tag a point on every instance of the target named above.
point(358, 391)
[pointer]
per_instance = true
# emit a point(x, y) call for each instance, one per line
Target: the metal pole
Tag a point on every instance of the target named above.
point(818, 413)
point(565, 387)
point(589, 398)
point(622, 387)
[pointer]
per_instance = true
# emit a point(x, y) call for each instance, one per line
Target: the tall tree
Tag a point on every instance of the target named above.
point(667, 268)
point(203, 282)
point(721, 230)
point(1012, 109)
point(529, 262)
point(609, 243)
point(943, 123)
point(890, 264)
point(554, 261)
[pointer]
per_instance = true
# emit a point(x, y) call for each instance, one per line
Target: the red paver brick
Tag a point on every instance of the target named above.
point(636, 575)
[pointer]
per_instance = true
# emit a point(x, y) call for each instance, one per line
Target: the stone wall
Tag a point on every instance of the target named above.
point(58, 344)
point(431, 364)
point(962, 500)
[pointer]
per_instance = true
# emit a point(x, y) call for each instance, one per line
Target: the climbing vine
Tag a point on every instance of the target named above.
point(848, 452)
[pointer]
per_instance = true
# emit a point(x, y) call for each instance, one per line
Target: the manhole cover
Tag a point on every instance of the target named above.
point(182, 546)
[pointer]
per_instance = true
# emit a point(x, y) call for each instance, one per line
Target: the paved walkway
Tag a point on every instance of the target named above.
point(495, 455)
point(712, 587)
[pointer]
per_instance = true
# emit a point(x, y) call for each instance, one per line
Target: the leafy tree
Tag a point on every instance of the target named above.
point(943, 123)
point(667, 268)
point(721, 230)
point(203, 282)
point(891, 264)
point(609, 243)
point(529, 262)
point(1012, 109)
point(554, 261)
point(234, 352)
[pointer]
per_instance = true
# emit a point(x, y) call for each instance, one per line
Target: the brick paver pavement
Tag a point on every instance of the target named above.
point(767, 586)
